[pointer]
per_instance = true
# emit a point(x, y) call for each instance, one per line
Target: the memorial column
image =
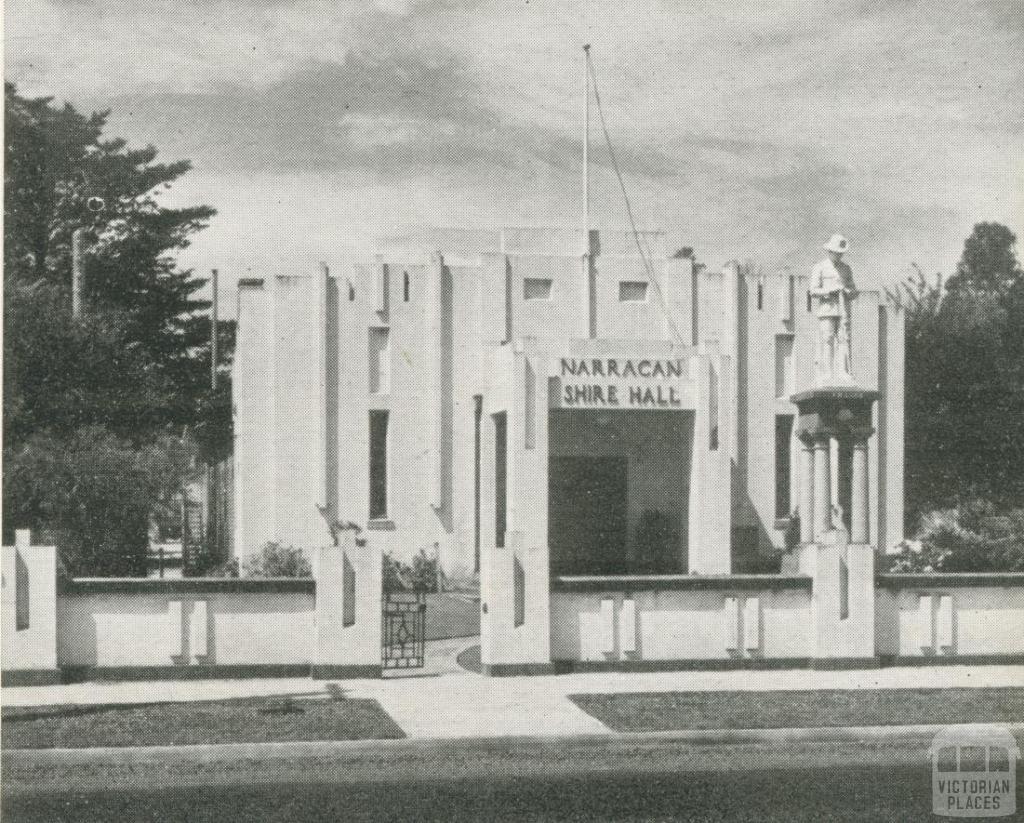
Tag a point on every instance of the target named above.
point(859, 490)
point(822, 486)
point(806, 490)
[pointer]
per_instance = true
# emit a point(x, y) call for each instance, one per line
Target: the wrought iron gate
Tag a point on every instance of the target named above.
point(403, 631)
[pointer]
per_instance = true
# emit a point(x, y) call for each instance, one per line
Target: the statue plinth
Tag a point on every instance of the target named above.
point(835, 409)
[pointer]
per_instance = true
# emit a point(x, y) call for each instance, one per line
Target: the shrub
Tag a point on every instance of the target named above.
point(422, 575)
point(971, 538)
point(276, 560)
point(229, 568)
point(396, 575)
point(93, 494)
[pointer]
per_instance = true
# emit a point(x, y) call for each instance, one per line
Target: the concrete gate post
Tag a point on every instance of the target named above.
point(29, 630)
point(515, 595)
point(348, 609)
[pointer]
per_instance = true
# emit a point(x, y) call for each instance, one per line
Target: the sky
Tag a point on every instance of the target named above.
point(747, 130)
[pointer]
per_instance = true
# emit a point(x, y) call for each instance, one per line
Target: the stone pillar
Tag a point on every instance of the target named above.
point(806, 491)
point(822, 486)
point(859, 491)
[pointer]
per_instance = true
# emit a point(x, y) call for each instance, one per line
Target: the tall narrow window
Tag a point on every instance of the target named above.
point(518, 593)
point(500, 478)
point(760, 296)
point(405, 286)
point(378, 465)
point(713, 411)
point(783, 435)
point(21, 593)
point(478, 411)
point(351, 292)
point(380, 361)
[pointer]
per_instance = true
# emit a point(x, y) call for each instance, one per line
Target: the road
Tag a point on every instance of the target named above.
point(555, 780)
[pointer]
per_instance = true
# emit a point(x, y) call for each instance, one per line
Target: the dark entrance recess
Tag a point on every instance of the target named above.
point(587, 519)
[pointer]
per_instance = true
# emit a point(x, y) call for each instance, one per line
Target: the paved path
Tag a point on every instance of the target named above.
point(445, 701)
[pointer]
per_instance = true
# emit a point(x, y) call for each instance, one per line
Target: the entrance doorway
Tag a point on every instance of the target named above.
point(587, 515)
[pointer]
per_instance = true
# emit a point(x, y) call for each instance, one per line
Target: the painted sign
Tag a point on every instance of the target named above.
point(623, 382)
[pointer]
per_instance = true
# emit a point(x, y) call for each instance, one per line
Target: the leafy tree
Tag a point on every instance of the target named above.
point(965, 379)
point(95, 407)
point(56, 160)
point(61, 376)
point(94, 492)
point(989, 264)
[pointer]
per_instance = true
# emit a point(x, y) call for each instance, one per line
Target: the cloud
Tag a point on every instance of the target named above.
point(749, 128)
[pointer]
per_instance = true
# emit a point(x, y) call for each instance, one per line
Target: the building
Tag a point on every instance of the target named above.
point(610, 439)
point(464, 385)
point(615, 442)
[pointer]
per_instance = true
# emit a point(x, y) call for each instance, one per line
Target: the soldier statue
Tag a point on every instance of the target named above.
point(832, 284)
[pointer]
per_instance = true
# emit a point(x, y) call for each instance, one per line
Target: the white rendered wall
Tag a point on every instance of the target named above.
point(978, 621)
point(680, 625)
point(142, 629)
point(252, 391)
point(33, 645)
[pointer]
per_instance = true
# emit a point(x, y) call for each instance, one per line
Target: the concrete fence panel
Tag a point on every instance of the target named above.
point(958, 618)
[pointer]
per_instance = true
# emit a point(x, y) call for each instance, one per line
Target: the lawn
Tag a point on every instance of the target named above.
point(257, 720)
point(452, 615)
point(668, 711)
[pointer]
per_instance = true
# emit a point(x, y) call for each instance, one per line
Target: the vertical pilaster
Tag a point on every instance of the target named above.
point(515, 623)
point(822, 486)
point(710, 505)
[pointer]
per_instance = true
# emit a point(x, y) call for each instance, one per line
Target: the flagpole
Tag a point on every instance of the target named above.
point(586, 148)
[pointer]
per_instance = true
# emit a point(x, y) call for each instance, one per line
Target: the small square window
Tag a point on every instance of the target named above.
point(998, 759)
point(537, 288)
point(632, 291)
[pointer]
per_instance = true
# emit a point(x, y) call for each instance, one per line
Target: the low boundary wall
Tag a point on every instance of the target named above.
point(135, 628)
point(928, 619)
point(647, 623)
point(835, 613)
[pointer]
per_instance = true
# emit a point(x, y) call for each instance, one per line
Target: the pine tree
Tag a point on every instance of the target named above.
point(58, 167)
